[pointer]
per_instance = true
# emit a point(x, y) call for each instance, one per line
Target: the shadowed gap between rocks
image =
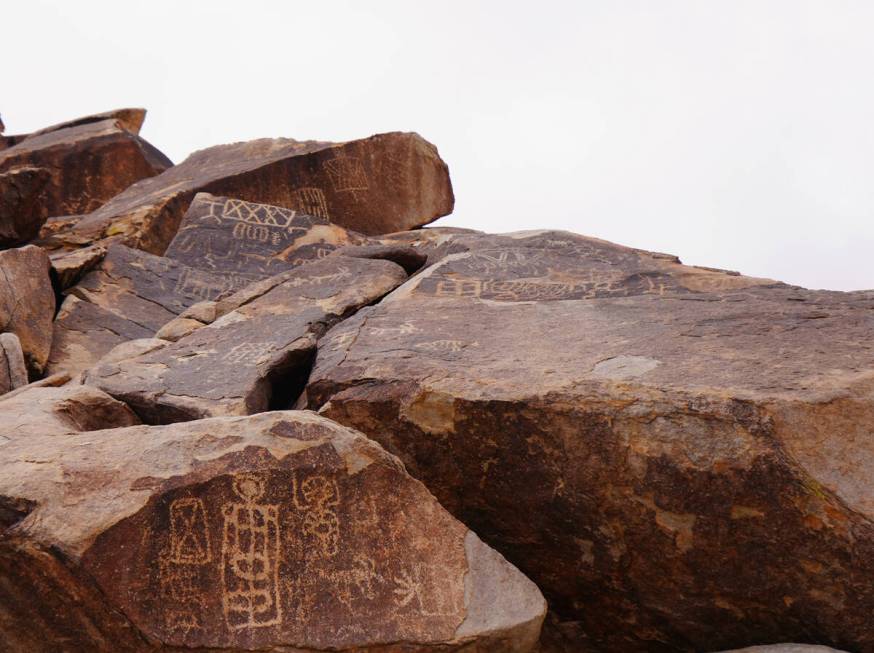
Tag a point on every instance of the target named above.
point(286, 382)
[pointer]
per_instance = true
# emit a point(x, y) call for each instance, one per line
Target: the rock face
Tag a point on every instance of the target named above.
point(603, 417)
point(388, 182)
point(252, 241)
point(282, 530)
point(785, 648)
point(27, 303)
point(13, 373)
point(253, 358)
point(69, 170)
point(130, 294)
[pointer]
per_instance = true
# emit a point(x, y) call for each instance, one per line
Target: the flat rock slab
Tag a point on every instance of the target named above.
point(388, 182)
point(786, 648)
point(256, 356)
point(13, 372)
point(681, 458)
point(27, 303)
point(87, 164)
point(21, 191)
point(252, 241)
point(130, 294)
point(281, 530)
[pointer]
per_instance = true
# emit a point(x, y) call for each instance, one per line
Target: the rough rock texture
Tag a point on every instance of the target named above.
point(681, 458)
point(13, 372)
point(251, 241)
point(68, 267)
point(282, 530)
point(87, 163)
point(38, 412)
point(253, 358)
point(130, 294)
point(27, 303)
point(21, 191)
point(380, 184)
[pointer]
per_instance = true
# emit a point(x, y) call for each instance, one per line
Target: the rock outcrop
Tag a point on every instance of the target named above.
point(282, 531)
point(252, 241)
point(385, 183)
point(70, 169)
point(27, 303)
point(679, 457)
point(129, 294)
point(253, 358)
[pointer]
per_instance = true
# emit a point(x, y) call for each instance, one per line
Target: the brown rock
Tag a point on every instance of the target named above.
point(21, 191)
point(27, 303)
point(131, 294)
point(70, 266)
point(277, 531)
point(251, 241)
point(89, 163)
point(785, 648)
point(680, 458)
point(13, 373)
point(254, 358)
point(388, 182)
point(129, 119)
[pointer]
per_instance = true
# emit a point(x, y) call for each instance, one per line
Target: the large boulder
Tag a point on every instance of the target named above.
point(129, 294)
point(681, 458)
point(27, 303)
point(281, 531)
point(252, 241)
point(253, 358)
point(388, 182)
point(785, 648)
point(76, 169)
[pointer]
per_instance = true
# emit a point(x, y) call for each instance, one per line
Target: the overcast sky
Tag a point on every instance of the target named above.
point(735, 134)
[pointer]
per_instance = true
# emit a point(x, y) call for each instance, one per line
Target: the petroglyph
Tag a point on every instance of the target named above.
point(195, 283)
point(256, 214)
point(311, 201)
point(189, 539)
point(250, 557)
point(318, 498)
point(445, 345)
point(430, 592)
point(403, 329)
point(246, 352)
point(347, 174)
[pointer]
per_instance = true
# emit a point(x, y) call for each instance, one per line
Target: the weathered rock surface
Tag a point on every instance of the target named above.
point(388, 182)
point(27, 303)
point(130, 294)
point(68, 267)
point(252, 241)
point(21, 191)
point(86, 163)
point(681, 458)
point(253, 358)
point(13, 372)
point(278, 531)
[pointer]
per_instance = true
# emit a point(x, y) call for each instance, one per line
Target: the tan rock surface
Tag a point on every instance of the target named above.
point(27, 303)
point(282, 531)
point(388, 182)
point(679, 457)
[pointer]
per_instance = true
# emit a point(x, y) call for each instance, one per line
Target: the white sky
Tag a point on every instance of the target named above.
point(736, 134)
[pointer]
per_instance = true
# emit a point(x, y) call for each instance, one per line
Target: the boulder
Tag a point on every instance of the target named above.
point(679, 457)
point(21, 191)
point(86, 164)
point(280, 531)
point(388, 182)
point(130, 294)
point(251, 241)
point(785, 648)
point(13, 372)
point(255, 357)
point(39, 412)
point(68, 267)
point(27, 303)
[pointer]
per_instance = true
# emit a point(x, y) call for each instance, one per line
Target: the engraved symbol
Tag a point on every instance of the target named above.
point(319, 496)
point(311, 201)
point(458, 288)
point(250, 558)
point(200, 285)
point(246, 352)
point(429, 592)
point(445, 345)
point(189, 540)
point(403, 329)
point(347, 174)
point(258, 214)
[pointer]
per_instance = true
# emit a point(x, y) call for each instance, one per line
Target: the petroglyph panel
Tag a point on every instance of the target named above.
point(311, 554)
point(233, 236)
point(347, 174)
point(541, 274)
